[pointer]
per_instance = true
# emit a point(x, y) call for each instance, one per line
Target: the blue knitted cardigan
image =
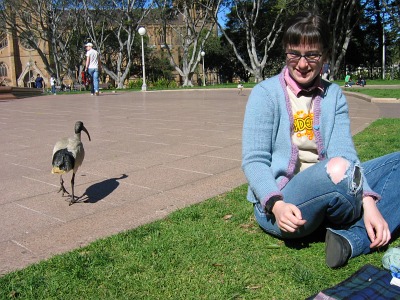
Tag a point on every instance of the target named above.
point(268, 155)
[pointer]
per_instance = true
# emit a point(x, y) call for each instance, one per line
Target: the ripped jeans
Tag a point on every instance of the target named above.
point(338, 199)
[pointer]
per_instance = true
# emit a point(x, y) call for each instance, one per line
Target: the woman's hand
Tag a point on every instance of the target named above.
point(376, 226)
point(288, 216)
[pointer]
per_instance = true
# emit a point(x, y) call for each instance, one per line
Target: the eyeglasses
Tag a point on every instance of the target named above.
point(310, 57)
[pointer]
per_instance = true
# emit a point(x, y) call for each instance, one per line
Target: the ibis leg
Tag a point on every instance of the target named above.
point(72, 186)
point(62, 188)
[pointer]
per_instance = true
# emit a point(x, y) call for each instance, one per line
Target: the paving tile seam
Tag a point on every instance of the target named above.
point(22, 246)
point(171, 154)
point(141, 186)
point(25, 167)
point(37, 180)
point(40, 213)
point(187, 170)
point(203, 145)
point(19, 145)
point(208, 130)
point(173, 129)
point(219, 157)
point(141, 134)
point(201, 179)
point(120, 151)
point(155, 143)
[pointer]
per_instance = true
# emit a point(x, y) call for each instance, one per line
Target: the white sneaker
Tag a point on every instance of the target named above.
point(91, 94)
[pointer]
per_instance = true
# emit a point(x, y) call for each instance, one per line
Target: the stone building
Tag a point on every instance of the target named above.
point(19, 63)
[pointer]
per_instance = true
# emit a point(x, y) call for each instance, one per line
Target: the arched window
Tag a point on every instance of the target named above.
point(3, 70)
point(3, 40)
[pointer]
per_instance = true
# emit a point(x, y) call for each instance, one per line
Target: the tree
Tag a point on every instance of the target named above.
point(252, 30)
point(392, 7)
point(220, 58)
point(49, 27)
point(198, 24)
point(374, 38)
point(112, 26)
point(341, 20)
point(391, 31)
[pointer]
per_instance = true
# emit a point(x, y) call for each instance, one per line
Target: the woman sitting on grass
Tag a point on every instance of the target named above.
point(300, 161)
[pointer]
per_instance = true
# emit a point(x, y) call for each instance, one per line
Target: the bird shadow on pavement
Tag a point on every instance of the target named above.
point(100, 190)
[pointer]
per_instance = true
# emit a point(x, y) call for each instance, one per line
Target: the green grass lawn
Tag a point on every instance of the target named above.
point(213, 250)
point(373, 82)
point(377, 93)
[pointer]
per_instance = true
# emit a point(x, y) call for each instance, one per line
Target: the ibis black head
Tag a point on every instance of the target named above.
point(80, 127)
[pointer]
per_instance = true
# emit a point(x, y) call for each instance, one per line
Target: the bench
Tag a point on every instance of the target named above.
point(79, 87)
point(104, 86)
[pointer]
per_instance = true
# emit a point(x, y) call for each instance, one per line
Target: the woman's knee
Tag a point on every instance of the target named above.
point(337, 169)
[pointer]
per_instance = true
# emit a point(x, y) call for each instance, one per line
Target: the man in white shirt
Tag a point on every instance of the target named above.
point(93, 67)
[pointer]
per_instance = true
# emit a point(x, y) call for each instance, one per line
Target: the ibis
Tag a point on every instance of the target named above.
point(68, 154)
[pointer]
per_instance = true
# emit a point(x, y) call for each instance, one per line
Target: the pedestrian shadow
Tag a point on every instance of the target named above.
point(100, 190)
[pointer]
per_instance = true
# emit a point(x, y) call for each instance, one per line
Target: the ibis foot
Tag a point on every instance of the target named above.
point(72, 199)
point(63, 190)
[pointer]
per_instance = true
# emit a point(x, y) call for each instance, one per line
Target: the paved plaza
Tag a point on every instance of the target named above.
point(151, 153)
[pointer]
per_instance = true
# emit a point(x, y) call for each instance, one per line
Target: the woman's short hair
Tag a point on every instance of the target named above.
point(306, 28)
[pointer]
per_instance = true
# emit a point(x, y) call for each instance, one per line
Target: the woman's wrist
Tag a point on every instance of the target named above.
point(368, 201)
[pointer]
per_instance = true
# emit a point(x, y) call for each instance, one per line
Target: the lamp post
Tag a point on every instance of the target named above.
point(202, 53)
point(29, 64)
point(383, 50)
point(142, 32)
point(383, 42)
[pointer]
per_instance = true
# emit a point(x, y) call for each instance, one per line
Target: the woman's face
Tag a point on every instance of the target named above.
point(304, 63)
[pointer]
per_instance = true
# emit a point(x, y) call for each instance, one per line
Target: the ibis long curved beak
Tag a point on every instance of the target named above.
point(87, 132)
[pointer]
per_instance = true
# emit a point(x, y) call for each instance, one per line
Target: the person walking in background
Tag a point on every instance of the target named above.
point(240, 88)
point(299, 158)
point(93, 67)
point(39, 82)
point(53, 83)
point(326, 70)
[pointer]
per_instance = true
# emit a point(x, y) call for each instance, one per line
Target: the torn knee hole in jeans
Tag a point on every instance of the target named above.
point(356, 178)
point(337, 169)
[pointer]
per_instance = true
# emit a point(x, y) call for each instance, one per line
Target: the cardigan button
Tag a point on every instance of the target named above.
point(316, 127)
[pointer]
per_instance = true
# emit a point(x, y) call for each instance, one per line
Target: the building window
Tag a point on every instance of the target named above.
point(27, 17)
point(3, 40)
point(161, 40)
point(3, 70)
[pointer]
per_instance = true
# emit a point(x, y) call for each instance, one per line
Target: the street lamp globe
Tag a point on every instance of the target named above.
point(142, 32)
point(202, 53)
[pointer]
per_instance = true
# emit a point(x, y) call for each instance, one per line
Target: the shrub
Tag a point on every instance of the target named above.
point(135, 84)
